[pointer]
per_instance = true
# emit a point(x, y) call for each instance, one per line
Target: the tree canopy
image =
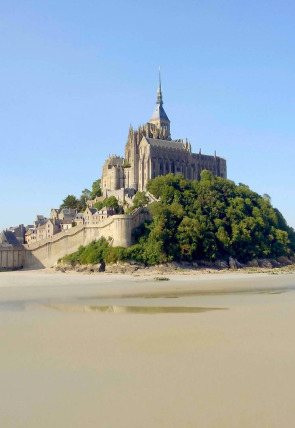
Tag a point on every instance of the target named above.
point(112, 202)
point(85, 196)
point(207, 219)
point(70, 202)
point(96, 189)
point(212, 218)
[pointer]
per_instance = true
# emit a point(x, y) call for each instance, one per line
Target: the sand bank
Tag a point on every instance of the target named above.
point(65, 364)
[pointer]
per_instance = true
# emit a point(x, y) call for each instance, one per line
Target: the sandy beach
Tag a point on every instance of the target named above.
point(117, 350)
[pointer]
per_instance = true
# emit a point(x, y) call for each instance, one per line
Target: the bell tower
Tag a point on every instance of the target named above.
point(159, 117)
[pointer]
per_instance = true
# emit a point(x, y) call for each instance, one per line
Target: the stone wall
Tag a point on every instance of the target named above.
point(118, 227)
point(12, 257)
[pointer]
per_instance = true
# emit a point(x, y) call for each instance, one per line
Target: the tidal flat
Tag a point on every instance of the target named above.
point(199, 350)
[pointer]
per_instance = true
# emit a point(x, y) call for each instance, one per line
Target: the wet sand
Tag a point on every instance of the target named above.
point(111, 350)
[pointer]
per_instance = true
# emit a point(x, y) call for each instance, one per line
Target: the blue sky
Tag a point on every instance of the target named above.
point(74, 75)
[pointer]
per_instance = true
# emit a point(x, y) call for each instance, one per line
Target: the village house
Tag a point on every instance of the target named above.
point(52, 227)
point(19, 232)
point(93, 216)
point(88, 215)
point(47, 230)
point(41, 233)
point(31, 235)
point(105, 213)
point(79, 219)
point(67, 213)
point(40, 220)
point(66, 223)
point(63, 221)
point(54, 213)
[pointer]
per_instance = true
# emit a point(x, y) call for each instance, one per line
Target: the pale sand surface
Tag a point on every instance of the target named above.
point(64, 364)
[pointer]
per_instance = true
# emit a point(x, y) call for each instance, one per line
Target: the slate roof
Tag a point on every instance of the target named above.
point(68, 211)
point(66, 220)
point(93, 210)
point(168, 144)
point(159, 113)
point(8, 238)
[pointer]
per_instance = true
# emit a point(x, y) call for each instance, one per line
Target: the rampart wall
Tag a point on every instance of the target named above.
point(12, 257)
point(118, 227)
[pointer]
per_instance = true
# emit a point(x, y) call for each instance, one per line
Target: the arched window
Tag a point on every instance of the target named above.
point(172, 165)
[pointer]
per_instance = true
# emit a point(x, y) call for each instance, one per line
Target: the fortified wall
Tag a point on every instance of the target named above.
point(12, 257)
point(118, 227)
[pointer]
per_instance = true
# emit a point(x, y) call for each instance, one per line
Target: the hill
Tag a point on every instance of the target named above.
point(208, 219)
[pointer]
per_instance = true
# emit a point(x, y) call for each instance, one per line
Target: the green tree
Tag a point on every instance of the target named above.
point(112, 202)
point(98, 205)
point(231, 220)
point(96, 189)
point(70, 202)
point(207, 219)
point(140, 200)
point(85, 196)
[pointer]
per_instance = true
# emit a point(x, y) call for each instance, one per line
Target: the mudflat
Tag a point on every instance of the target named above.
point(116, 350)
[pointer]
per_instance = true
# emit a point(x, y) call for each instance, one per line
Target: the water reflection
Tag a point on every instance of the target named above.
point(135, 309)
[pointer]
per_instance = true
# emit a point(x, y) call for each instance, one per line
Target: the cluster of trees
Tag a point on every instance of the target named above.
point(96, 252)
point(139, 200)
point(80, 203)
point(111, 202)
point(208, 219)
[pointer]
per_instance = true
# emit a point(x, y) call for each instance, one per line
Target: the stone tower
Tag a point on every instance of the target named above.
point(159, 117)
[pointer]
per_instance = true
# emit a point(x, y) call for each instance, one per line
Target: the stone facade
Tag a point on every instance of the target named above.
point(12, 257)
point(117, 228)
point(93, 216)
point(150, 152)
point(12, 254)
point(31, 236)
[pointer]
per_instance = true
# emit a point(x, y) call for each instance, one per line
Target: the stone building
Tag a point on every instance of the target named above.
point(93, 216)
point(40, 220)
point(150, 151)
point(12, 254)
point(48, 229)
point(31, 236)
point(66, 214)
point(19, 232)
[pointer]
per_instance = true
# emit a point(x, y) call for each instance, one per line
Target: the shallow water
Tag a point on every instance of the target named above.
point(134, 309)
point(149, 302)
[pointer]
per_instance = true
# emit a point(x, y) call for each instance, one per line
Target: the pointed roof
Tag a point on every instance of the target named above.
point(159, 112)
point(8, 238)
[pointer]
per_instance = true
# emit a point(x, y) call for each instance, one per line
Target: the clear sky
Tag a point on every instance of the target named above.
point(75, 74)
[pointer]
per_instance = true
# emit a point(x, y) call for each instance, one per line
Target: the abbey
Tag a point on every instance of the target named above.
point(150, 151)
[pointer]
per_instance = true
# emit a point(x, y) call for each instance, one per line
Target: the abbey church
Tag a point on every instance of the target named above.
point(150, 151)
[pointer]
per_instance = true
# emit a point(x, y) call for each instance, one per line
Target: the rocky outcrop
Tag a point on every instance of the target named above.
point(133, 266)
point(235, 264)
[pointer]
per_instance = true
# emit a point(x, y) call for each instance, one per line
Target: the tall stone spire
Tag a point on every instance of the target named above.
point(159, 92)
point(159, 117)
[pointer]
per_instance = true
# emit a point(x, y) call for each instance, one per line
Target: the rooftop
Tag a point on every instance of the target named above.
point(172, 144)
